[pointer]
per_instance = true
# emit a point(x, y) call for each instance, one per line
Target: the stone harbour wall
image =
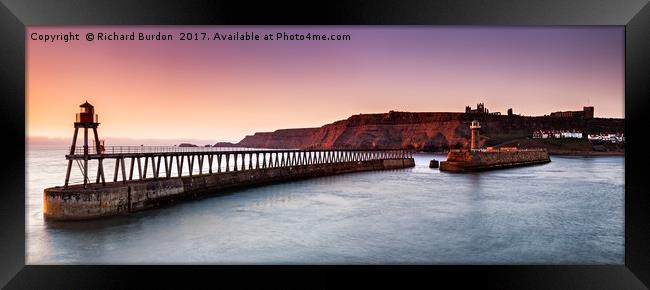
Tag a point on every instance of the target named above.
point(508, 157)
point(485, 160)
point(78, 203)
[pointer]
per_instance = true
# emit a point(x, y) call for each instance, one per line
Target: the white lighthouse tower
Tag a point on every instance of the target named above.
point(475, 138)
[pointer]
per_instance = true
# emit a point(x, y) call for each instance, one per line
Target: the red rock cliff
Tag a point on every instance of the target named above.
point(421, 131)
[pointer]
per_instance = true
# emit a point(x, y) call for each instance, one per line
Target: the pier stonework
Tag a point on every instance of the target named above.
point(462, 161)
point(77, 203)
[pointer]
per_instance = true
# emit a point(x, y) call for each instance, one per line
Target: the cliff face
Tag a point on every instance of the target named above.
point(284, 138)
point(421, 131)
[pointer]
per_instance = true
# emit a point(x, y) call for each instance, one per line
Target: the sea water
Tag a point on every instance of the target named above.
point(569, 211)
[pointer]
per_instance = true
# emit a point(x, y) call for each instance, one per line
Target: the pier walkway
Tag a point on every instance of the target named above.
point(133, 163)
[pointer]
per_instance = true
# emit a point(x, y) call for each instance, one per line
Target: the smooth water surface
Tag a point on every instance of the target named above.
point(569, 211)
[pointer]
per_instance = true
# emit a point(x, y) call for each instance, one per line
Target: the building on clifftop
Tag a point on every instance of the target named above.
point(480, 109)
point(586, 113)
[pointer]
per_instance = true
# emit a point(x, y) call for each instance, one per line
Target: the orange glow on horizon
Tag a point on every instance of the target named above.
point(224, 91)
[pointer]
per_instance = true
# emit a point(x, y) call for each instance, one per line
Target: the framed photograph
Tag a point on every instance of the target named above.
point(173, 142)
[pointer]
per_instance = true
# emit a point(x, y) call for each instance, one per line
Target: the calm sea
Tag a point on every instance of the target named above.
point(569, 211)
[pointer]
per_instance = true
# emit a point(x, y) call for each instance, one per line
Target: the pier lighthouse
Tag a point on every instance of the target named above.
point(475, 138)
point(85, 119)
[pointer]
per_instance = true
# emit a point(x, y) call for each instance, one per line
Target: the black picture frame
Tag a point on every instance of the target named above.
point(15, 15)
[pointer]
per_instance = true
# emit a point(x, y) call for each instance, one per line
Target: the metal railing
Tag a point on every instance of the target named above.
point(185, 161)
point(163, 149)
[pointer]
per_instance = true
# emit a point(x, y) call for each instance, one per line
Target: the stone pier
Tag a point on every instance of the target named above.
point(76, 202)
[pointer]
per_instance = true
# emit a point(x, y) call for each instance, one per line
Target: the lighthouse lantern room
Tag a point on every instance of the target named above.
point(87, 114)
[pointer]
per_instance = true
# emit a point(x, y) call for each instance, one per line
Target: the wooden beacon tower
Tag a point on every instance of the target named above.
point(85, 119)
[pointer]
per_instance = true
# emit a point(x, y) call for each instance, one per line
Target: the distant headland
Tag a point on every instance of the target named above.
point(562, 132)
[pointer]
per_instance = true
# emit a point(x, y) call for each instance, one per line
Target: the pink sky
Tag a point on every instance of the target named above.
point(216, 90)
